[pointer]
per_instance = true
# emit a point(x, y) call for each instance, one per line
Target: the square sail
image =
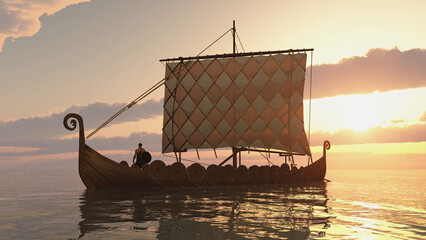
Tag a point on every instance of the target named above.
point(253, 101)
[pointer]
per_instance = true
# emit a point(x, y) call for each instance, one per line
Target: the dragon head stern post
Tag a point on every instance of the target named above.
point(326, 146)
point(72, 125)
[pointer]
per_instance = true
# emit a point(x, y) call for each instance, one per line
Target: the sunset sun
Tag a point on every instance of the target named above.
point(360, 116)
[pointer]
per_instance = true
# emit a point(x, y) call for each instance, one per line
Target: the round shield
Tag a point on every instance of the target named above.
point(195, 172)
point(146, 157)
point(124, 163)
point(285, 167)
point(158, 170)
point(177, 172)
point(275, 173)
point(254, 174)
point(294, 174)
point(228, 173)
point(242, 174)
point(213, 174)
point(264, 174)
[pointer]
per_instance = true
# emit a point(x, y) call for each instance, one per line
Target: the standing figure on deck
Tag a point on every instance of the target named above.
point(138, 155)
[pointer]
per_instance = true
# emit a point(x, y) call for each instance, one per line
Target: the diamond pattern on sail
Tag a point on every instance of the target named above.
point(223, 127)
point(214, 117)
point(241, 81)
point(223, 106)
point(250, 93)
point(232, 69)
point(214, 94)
point(270, 66)
point(223, 82)
point(250, 116)
point(241, 127)
point(254, 101)
point(188, 82)
point(206, 82)
point(196, 70)
point(259, 105)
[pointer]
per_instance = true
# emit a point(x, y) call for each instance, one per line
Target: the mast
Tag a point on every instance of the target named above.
point(234, 149)
point(233, 37)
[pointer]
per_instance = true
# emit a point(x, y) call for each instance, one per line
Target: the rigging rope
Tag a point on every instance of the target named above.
point(142, 96)
point(310, 100)
point(145, 94)
point(240, 41)
point(266, 157)
point(310, 104)
point(289, 108)
point(206, 164)
point(214, 42)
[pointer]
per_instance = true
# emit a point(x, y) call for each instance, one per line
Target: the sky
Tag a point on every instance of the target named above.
point(94, 57)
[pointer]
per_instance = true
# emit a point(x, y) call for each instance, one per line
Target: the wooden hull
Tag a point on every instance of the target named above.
point(98, 171)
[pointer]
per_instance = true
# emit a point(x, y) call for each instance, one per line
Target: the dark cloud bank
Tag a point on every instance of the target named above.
point(44, 132)
point(44, 128)
point(380, 70)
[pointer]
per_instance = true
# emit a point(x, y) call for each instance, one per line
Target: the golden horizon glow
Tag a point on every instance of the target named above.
point(360, 112)
point(388, 148)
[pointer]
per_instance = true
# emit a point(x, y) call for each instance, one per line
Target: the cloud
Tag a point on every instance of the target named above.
point(20, 18)
point(151, 141)
point(11, 149)
point(380, 70)
point(398, 121)
point(410, 133)
point(41, 128)
point(53, 152)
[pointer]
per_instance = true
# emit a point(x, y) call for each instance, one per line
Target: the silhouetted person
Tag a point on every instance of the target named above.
point(138, 155)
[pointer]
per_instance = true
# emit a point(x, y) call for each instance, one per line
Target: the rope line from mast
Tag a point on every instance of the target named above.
point(310, 99)
point(289, 109)
point(206, 164)
point(238, 37)
point(265, 156)
point(310, 104)
point(142, 96)
point(146, 93)
point(213, 42)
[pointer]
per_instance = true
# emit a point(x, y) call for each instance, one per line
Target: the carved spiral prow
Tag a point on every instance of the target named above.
point(327, 146)
point(72, 124)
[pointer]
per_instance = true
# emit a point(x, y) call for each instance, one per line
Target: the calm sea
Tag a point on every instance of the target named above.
point(356, 204)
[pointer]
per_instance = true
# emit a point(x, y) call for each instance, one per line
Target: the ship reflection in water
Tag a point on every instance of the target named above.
point(240, 212)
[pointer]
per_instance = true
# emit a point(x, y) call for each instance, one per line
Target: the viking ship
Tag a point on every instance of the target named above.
point(244, 102)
